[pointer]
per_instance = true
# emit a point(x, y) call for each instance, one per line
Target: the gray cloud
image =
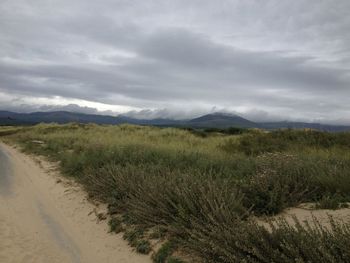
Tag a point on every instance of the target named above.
point(27, 108)
point(267, 60)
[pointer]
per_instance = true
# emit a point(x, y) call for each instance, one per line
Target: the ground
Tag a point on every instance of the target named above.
point(45, 218)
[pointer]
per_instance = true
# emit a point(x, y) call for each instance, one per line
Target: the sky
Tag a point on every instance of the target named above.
point(265, 60)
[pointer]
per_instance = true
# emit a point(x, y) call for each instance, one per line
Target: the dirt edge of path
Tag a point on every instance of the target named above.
point(69, 202)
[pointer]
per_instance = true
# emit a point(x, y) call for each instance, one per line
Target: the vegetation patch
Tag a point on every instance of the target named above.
point(201, 191)
point(143, 246)
point(115, 225)
point(164, 253)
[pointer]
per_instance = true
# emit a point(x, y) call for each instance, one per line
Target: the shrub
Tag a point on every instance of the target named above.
point(158, 232)
point(333, 202)
point(248, 242)
point(115, 225)
point(283, 140)
point(230, 130)
point(262, 143)
point(143, 246)
point(174, 260)
point(280, 181)
point(164, 252)
point(133, 236)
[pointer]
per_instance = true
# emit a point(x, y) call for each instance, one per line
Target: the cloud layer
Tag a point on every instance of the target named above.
point(264, 59)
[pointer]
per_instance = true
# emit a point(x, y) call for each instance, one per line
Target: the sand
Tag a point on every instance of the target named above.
point(305, 213)
point(47, 218)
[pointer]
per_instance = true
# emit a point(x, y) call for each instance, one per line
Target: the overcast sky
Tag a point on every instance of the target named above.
point(266, 60)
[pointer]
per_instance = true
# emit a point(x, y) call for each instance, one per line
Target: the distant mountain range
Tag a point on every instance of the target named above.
point(214, 120)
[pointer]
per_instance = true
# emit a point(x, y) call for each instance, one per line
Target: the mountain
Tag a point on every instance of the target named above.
point(221, 120)
point(156, 122)
point(214, 120)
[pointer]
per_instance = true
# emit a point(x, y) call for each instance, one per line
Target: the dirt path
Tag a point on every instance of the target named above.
point(43, 219)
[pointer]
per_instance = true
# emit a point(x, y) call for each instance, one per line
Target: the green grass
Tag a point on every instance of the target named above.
point(9, 130)
point(115, 225)
point(201, 187)
point(174, 260)
point(163, 254)
point(143, 246)
point(134, 236)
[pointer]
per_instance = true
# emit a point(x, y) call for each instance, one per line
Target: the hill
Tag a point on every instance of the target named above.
point(221, 120)
point(213, 120)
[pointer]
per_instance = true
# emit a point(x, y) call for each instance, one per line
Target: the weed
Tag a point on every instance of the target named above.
point(158, 232)
point(164, 252)
point(115, 225)
point(143, 246)
point(333, 202)
point(174, 260)
point(133, 236)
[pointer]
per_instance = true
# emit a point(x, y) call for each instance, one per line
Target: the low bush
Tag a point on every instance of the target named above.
point(287, 140)
point(133, 236)
point(280, 181)
point(143, 246)
point(174, 260)
point(163, 254)
point(157, 197)
point(115, 225)
point(230, 130)
point(241, 241)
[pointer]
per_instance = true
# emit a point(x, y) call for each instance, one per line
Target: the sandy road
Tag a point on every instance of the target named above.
point(42, 220)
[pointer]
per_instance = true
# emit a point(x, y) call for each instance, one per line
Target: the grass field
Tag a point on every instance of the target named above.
point(200, 189)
